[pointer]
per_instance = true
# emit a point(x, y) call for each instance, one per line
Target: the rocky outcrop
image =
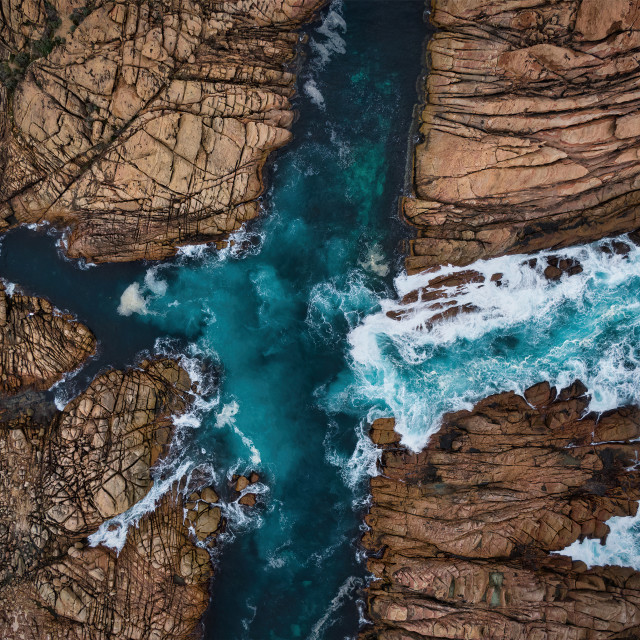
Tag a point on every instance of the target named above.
point(461, 534)
point(530, 135)
point(149, 126)
point(38, 344)
point(60, 481)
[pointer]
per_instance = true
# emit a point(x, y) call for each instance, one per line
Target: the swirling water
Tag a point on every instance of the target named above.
point(294, 316)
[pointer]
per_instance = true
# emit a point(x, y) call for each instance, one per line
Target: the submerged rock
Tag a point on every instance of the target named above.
point(530, 134)
point(148, 127)
point(461, 534)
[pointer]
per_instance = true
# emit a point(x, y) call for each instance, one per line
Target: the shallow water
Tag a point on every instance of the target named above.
point(294, 315)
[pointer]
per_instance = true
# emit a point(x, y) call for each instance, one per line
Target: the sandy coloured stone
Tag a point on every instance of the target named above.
point(530, 136)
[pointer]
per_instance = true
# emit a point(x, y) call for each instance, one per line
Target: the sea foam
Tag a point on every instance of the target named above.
point(622, 545)
point(520, 331)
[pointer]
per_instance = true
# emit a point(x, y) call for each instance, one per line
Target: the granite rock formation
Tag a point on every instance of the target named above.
point(530, 134)
point(38, 344)
point(142, 126)
point(462, 534)
point(60, 481)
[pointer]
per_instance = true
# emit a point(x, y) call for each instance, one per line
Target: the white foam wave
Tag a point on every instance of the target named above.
point(326, 42)
point(135, 299)
point(375, 261)
point(113, 532)
point(9, 287)
point(392, 358)
point(155, 284)
point(240, 244)
point(327, 39)
point(315, 95)
point(345, 594)
point(361, 464)
point(226, 418)
point(328, 301)
point(622, 545)
point(132, 301)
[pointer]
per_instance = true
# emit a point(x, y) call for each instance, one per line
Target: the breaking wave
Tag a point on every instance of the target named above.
point(519, 329)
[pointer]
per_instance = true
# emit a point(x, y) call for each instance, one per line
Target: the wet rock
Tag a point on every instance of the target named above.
point(557, 267)
point(150, 125)
point(242, 483)
point(461, 534)
point(616, 247)
point(530, 133)
point(248, 500)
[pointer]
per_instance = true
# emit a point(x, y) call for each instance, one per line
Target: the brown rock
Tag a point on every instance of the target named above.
point(248, 500)
point(209, 495)
point(461, 533)
point(149, 127)
point(38, 344)
point(60, 481)
point(531, 133)
point(241, 484)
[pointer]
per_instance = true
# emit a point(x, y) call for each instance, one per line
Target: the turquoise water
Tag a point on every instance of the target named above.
point(294, 318)
point(331, 222)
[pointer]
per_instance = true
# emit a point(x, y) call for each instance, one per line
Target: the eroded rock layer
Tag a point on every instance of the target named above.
point(149, 126)
point(462, 533)
point(38, 344)
point(59, 481)
point(531, 130)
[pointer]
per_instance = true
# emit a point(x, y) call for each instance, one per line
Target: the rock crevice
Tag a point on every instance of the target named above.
point(462, 534)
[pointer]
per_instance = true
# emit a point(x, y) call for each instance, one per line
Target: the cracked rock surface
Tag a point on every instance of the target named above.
point(462, 533)
point(38, 344)
point(59, 481)
point(531, 131)
point(149, 127)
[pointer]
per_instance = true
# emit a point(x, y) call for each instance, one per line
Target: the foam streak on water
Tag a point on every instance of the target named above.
point(113, 533)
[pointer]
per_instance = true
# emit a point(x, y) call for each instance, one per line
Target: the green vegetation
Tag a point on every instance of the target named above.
point(78, 15)
point(13, 70)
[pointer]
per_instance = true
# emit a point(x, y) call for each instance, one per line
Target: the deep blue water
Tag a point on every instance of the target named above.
point(295, 318)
